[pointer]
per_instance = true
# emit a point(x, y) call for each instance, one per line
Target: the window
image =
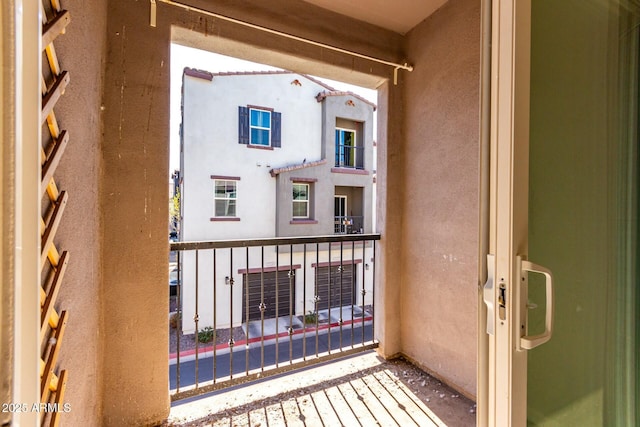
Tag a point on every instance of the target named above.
point(259, 127)
point(345, 148)
point(225, 197)
point(300, 200)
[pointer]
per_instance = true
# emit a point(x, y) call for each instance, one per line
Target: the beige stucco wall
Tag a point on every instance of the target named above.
point(80, 174)
point(134, 202)
point(429, 146)
point(438, 305)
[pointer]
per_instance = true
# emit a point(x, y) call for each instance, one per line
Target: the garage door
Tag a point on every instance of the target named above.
point(335, 287)
point(252, 283)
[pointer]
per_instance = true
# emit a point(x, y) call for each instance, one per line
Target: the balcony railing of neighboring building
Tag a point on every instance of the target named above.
point(349, 156)
point(302, 300)
point(348, 225)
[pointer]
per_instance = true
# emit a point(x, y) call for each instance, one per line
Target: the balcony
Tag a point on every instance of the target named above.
point(348, 224)
point(349, 156)
point(248, 309)
point(359, 390)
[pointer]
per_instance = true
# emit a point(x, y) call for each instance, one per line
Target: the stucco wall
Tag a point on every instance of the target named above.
point(134, 202)
point(135, 152)
point(427, 165)
point(440, 222)
point(80, 173)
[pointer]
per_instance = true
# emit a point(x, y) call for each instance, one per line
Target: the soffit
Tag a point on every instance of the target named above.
point(397, 15)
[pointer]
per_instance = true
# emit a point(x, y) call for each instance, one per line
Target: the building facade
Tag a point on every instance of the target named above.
point(273, 154)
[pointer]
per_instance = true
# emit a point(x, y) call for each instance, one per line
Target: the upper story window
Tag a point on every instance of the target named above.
point(348, 154)
point(259, 127)
point(225, 198)
point(300, 200)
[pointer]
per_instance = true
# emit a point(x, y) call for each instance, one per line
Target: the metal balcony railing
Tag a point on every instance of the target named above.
point(349, 156)
point(247, 309)
point(348, 224)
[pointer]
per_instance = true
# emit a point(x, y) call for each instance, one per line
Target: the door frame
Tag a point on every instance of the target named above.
point(506, 387)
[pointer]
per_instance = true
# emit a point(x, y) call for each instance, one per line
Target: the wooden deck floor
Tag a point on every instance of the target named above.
point(359, 391)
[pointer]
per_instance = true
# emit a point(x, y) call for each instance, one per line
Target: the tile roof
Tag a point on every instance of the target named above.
point(330, 91)
point(324, 94)
point(275, 171)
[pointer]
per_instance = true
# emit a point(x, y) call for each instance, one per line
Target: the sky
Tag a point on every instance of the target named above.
point(182, 57)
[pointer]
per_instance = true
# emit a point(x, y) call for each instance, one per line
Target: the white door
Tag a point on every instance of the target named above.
point(563, 338)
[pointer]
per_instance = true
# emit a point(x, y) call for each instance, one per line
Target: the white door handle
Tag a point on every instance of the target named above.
point(487, 294)
point(528, 342)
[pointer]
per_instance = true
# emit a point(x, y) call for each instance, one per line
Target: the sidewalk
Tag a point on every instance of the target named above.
point(271, 330)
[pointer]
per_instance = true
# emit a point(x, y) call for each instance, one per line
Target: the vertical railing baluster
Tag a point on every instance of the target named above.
point(304, 302)
point(363, 291)
point(340, 320)
point(245, 288)
point(277, 303)
point(179, 320)
point(231, 340)
point(373, 293)
point(329, 303)
point(196, 317)
point(292, 281)
point(352, 287)
point(263, 307)
point(316, 298)
point(215, 315)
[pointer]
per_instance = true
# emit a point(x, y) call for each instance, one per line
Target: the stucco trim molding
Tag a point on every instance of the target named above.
point(228, 178)
point(227, 218)
point(276, 171)
point(269, 269)
point(336, 263)
point(350, 171)
point(260, 147)
point(302, 179)
point(303, 221)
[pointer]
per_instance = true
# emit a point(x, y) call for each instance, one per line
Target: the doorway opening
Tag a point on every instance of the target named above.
point(254, 159)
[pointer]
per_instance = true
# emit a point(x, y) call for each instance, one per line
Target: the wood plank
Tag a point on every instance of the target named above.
point(52, 190)
point(47, 238)
point(55, 27)
point(54, 94)
point(52, 58)
point(54, 158)
point(43, 85)
point(56, 5)
point(52, 122)
point(48, 314)
point(59, 399)
point(46, 385)
point(402, 410)
point(373, 404)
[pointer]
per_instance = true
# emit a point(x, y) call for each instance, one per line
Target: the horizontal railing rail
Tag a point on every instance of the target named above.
point(273, 241)
point(250, 308)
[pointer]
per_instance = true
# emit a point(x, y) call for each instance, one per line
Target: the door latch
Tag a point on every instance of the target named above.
point(502, 301)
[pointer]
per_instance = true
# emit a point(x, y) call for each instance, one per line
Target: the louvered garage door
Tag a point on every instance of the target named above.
point(341, 293)
point(286, 296)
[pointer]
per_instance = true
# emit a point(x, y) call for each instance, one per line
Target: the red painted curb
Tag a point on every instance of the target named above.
point(258, 339)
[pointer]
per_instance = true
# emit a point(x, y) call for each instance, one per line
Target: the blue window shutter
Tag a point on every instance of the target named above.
point(243, 125)
point(276, 133)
